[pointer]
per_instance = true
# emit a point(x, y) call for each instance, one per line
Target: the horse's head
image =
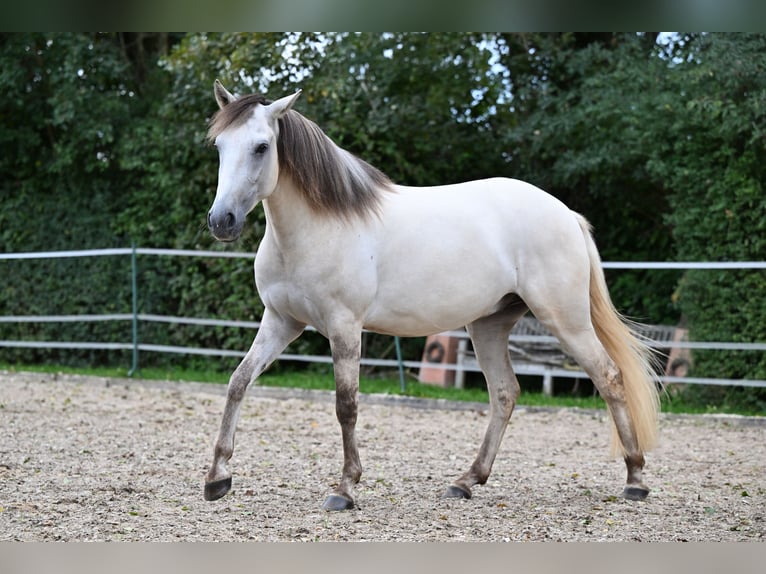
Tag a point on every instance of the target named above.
point(245, 131)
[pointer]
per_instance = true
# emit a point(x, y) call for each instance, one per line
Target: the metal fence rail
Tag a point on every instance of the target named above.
point(137, 346)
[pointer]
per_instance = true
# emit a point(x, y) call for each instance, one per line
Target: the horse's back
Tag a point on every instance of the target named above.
point(502, 218)
point(501, 201)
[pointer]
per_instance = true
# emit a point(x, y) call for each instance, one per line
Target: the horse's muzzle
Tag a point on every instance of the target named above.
point(225, 226)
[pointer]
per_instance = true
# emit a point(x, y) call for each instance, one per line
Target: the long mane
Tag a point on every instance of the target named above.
point(332, 180)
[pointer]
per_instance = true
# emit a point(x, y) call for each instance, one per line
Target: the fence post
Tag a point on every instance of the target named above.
point(134, 289)
point(547, 382)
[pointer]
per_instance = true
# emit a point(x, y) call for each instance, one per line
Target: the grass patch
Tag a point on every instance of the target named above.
point(390, 386)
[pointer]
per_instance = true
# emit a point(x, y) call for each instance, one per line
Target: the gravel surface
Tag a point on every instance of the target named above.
point(85, 458)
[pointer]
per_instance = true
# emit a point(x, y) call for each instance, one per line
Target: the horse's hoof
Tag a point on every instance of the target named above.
point(455, 491)
point(635, 493)
point(216, 489)
point(337, 502)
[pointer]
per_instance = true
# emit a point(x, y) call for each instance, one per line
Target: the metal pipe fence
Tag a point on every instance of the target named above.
point(136, 318)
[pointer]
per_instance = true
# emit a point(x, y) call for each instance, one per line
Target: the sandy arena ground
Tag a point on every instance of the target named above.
point(85, 458)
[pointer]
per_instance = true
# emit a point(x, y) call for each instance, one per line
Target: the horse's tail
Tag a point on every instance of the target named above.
point(634, 358)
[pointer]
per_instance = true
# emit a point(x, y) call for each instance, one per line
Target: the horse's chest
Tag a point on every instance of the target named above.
point(311, 288)
point(279, 282)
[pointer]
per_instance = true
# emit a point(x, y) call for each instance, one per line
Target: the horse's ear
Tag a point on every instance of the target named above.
point(222, 95)
point(281, 106)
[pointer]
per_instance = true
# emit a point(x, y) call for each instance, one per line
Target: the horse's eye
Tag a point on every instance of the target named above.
point(261, 149)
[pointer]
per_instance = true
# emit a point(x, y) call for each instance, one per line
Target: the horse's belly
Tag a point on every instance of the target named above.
point(426, 319)
point(431, 300)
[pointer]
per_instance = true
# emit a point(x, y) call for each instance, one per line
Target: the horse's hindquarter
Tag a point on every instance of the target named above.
point(449, 255)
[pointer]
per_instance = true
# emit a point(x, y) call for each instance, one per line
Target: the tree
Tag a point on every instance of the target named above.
point(70, 99)
point(712, 155)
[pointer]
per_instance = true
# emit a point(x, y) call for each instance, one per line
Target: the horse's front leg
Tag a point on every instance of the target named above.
point(274, 334)
point(346, 353)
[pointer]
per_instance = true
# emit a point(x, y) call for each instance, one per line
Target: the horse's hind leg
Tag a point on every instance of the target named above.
point(580, 340)
point(274, 334)
point(490, 341)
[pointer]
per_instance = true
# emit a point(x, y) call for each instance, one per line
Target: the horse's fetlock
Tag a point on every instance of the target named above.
point(634, 461)
point(478, 474)
point(222, 454)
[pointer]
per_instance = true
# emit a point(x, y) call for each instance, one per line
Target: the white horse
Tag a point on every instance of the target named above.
point(345, 249)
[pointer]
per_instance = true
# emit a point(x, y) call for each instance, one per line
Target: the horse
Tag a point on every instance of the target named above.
point(346, 249)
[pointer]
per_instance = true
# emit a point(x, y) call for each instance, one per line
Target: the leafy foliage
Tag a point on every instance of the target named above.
point(68, 104)
point(712, 155)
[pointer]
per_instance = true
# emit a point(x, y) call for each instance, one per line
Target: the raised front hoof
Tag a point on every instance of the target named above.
point(455, 491)
point(635, 493)
point(216, 489)
point(337, 502)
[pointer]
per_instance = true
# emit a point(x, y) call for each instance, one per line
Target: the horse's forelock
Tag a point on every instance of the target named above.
point(234, 114)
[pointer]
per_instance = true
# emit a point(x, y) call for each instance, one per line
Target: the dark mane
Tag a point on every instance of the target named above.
point(331, 179)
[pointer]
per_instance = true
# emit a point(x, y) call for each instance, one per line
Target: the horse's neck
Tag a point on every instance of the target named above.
point(289, 218)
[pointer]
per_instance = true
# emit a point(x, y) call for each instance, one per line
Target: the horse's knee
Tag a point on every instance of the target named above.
point(238, 382)
point(236, 390)
point(346, 407)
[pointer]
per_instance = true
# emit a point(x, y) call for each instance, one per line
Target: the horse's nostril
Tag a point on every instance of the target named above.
point(228, 221)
